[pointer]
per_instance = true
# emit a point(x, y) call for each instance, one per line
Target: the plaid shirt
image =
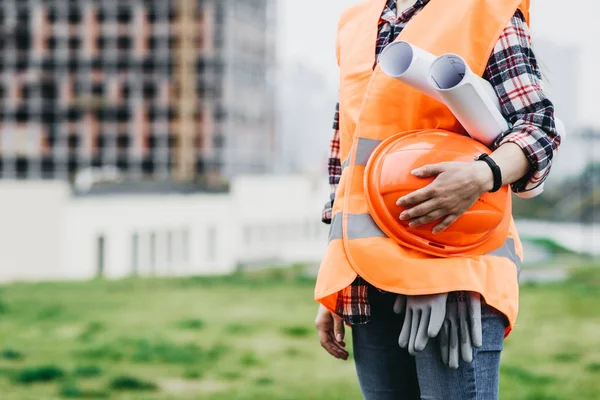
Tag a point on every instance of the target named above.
point(514, 73)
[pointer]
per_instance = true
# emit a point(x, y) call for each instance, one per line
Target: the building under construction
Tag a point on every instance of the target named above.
point(162, 90)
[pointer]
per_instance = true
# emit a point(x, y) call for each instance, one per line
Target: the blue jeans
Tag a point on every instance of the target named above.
point(387, 372)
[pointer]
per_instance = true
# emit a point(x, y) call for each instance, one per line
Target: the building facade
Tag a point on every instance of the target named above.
point(159, 89)
point(261, 221)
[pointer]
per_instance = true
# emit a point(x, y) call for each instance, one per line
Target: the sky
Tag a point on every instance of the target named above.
point(307, 34)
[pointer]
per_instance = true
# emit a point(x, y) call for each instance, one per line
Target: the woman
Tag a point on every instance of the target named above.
point(523, 155)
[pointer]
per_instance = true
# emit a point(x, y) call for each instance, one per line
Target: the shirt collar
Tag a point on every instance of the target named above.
point(390, 11)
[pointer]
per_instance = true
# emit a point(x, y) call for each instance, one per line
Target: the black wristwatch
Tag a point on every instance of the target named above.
point(495, 171)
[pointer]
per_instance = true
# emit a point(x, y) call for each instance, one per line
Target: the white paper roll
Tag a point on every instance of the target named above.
point(471, 98)
point(448, 79)
point(474, 102)
point(410, 65)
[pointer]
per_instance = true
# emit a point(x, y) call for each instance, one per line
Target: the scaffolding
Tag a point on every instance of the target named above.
point(185, 148)
point(157, 90)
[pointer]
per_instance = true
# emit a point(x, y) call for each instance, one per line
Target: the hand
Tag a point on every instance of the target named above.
point(462, 328)
point(331, 332)
point(423, 319)
point(457, 186)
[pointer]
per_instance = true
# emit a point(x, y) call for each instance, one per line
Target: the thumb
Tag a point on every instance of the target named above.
point(338, 329)
point(475, 319)
point(400, 304)
point(445, 342)
point(427, 171)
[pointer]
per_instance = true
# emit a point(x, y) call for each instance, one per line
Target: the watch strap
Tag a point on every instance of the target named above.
point(497, 173)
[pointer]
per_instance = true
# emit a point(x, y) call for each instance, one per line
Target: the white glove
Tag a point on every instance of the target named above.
point(461, 328)
point(423, 319)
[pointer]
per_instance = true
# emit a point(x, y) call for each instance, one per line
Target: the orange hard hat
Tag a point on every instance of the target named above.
point(480, 230)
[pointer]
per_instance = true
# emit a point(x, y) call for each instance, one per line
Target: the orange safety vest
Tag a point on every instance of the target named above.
point(374, 107)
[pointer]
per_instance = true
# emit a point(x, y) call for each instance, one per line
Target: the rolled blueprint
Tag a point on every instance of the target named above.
point(449, 80)
point(410, 65)
point(474, 102)
point(471, 98)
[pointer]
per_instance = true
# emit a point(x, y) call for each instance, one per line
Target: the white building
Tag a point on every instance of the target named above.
point(49, 234)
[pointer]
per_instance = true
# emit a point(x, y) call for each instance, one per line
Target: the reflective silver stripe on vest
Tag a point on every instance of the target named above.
point(364, 149)
point(508, 250)
point(336, 230)
point(362, 226)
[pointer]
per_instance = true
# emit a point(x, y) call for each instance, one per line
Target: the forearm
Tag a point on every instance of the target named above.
point(513, 164)
point(514, 74)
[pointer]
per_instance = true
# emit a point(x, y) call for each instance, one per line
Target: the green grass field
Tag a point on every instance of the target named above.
point(250, 337)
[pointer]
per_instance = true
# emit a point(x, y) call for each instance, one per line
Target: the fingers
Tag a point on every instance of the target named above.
point(428, 218)
point(416, 315)
point(445, 341)
point(463, 321)
point(445, 224)
point(325, 330)
point(331, 346)
point(474, 300)
point(338, 329)
point(422, 337)
point(453, 351)
point(436, 321)
point(400, 304)
point(421, 211)
point(406, 327)
point(466, 349)
point(416, 197)
point(429, 170)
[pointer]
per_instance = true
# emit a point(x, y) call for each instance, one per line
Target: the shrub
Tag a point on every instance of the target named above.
point(11, 354)
point(71, 390)
point(292, 352)
point(190, 373)
point(144, 350)
point(566, 357)
point(87, 371)
point(238, 329)
point(593, 367)
point(230, 375)
point(126, 382)
point(215, 353)
point(526, 376)
point(150, 351)
point(264, 381)
point(105, 351)
point(297, 331)
point(192, 324)
point(44, 373)
point(91, 330)
point(249, 359)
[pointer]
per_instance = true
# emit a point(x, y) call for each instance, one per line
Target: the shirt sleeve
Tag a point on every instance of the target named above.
point(335, 166)
point(515, 75)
